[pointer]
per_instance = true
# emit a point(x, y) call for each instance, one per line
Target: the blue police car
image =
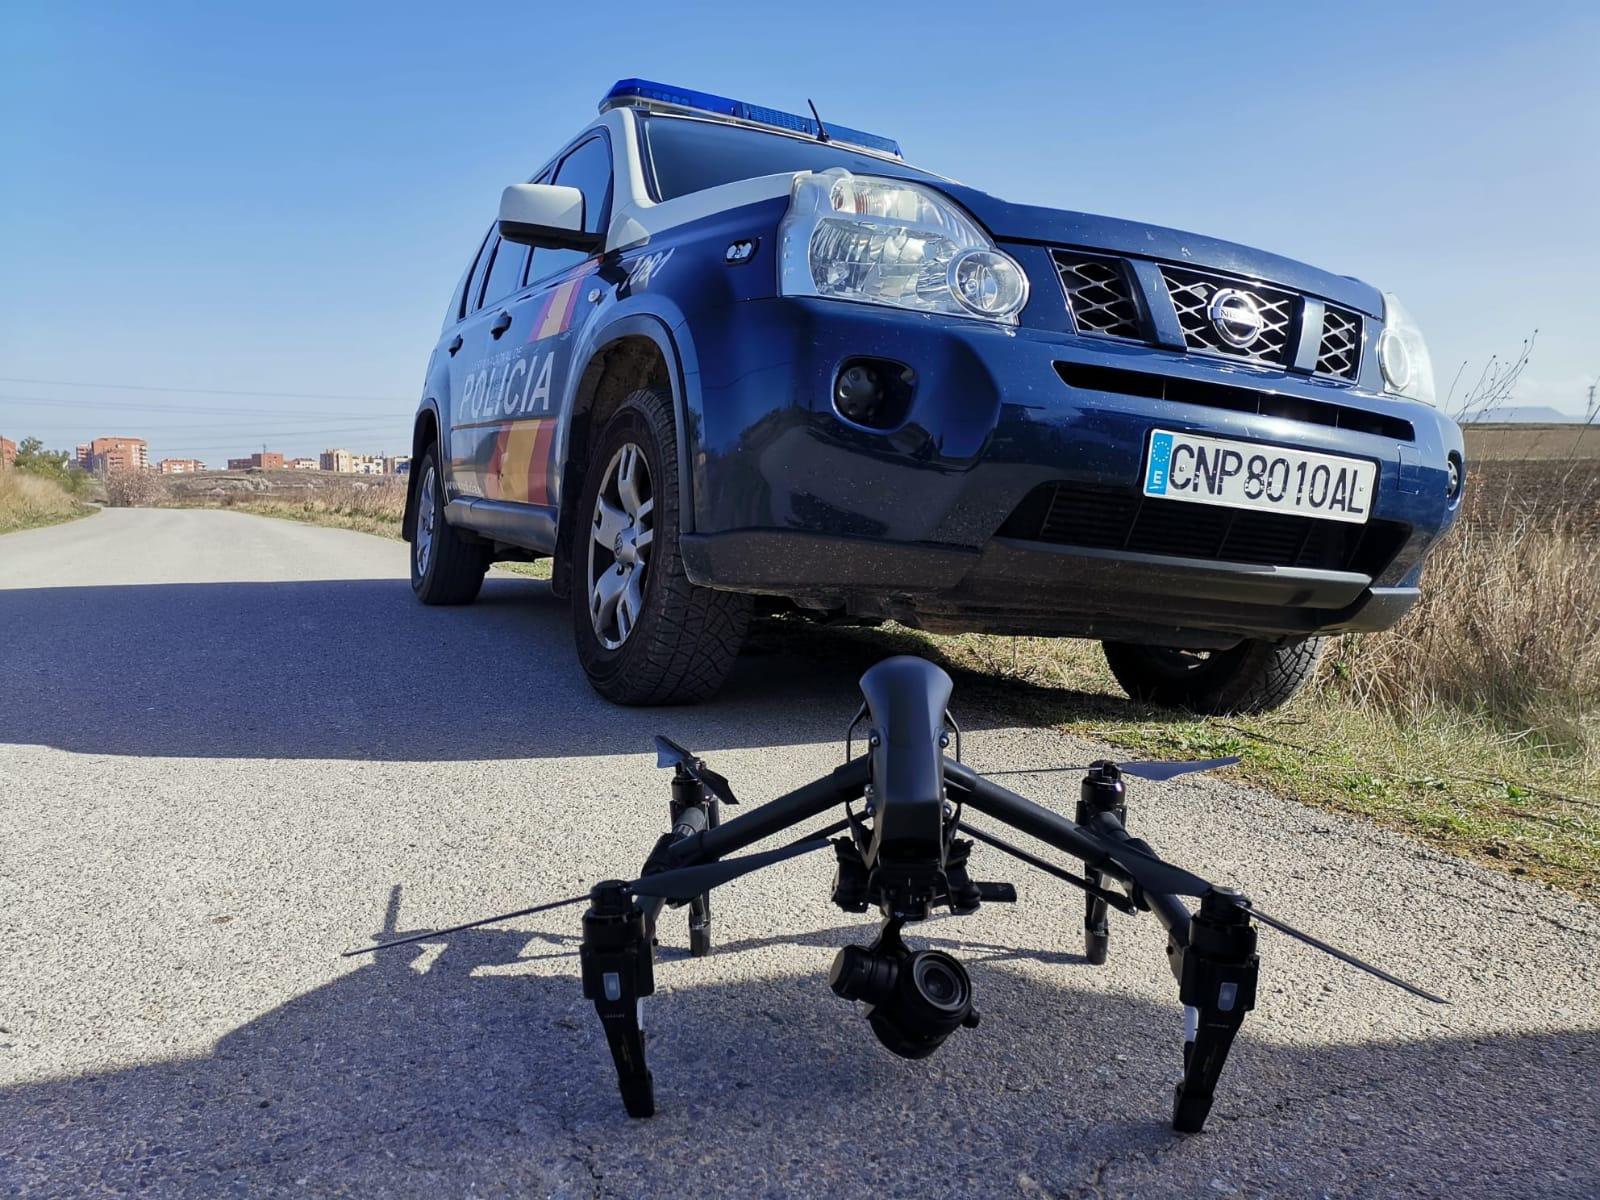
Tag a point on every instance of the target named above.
point(717, 357)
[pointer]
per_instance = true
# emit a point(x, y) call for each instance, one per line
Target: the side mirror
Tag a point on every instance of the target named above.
point(546, 214)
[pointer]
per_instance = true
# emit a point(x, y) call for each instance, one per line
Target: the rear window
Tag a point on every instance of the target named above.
point(689, 156)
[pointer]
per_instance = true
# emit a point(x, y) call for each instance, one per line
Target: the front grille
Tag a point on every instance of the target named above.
point(1100, 295)
point(1072, 514)
point(1339, 353)
point(1191, 299)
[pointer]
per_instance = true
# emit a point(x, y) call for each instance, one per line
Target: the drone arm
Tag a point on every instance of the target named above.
point(1035, 820)
point(1170, 910)
point(843, 784)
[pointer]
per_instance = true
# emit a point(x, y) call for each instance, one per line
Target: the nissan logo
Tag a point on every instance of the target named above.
point(1236, 317)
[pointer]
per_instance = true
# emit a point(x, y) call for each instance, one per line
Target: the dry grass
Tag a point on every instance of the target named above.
point(1507, 633)
point(345, 503)
point(27, 501)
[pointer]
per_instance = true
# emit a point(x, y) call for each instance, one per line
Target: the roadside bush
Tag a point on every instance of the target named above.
point(1508, 629)
point(27, 500)
point(133, 489)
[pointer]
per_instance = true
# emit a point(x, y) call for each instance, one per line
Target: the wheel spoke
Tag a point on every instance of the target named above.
point(629, 603)
point(644, 538)
point(603, 599)
point(608, 522)
point(628, 478)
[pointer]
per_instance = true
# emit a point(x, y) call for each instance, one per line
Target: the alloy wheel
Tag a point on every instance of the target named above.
point(425, 518)
point(620, 536)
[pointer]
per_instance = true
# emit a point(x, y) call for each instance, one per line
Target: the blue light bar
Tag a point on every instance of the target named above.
point(644, 92)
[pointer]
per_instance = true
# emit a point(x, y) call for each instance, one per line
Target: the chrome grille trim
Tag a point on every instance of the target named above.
point(1339, 353)
point(1100, 295)
point(1191, 297)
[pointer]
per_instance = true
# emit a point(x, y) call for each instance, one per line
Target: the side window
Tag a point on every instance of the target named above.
point(475, 284)
point(587, 168)
point(459, 305)
point(505, 270)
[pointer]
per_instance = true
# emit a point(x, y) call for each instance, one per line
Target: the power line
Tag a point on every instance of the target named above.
point(145, 387)
point(191, 409)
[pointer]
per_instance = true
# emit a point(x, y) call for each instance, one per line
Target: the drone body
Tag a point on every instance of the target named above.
point(901, 854)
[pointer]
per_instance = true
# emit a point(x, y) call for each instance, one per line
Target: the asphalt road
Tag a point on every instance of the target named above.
point(231, 747)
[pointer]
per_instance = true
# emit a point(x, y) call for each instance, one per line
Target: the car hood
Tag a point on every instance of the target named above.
point(1062, 227)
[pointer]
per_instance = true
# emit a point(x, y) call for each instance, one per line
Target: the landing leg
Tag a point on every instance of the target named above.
point(1217, 984)
point(1102, 793)
point(618, 973)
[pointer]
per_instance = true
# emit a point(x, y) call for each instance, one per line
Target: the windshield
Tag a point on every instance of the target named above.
point(685, 155)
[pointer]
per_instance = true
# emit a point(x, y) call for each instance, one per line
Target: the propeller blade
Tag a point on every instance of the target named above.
point(1342, 956)
point(670, 754)
point(1157, 772)
point(1154, 875)
point(1160, 772)
point(685, 883)
point(438, 933)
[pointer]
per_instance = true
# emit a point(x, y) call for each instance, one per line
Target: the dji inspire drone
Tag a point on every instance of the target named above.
point(901, 853)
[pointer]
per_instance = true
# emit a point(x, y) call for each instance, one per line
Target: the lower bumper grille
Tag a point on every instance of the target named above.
point(1070, 514)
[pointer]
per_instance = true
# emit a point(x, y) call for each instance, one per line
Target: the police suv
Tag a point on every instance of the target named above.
point(715, 352)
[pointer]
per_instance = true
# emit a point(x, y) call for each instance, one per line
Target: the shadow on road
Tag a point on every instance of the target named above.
point(452, 1067)
point(359, 669)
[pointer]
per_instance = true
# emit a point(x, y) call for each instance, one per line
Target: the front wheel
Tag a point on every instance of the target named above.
point(645, 634)
point(1252, 677)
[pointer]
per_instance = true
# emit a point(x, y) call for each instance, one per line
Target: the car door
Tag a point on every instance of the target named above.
point(544, 328)
point(478, 370)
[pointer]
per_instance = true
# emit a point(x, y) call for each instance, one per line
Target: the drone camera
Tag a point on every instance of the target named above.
point(915, 1000)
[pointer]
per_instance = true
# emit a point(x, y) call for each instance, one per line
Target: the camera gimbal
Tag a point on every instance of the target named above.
point(901, 853)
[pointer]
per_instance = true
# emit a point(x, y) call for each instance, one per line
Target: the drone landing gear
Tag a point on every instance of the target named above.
point(1103, 792)
point(618, 974)
point(1217, 972)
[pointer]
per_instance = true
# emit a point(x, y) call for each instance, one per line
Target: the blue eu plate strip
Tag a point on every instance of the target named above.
point(1155, 479)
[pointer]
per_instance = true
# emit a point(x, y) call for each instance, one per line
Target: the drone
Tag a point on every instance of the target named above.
point(899, 849)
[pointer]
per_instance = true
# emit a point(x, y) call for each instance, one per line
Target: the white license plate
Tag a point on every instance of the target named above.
point(1204, 470)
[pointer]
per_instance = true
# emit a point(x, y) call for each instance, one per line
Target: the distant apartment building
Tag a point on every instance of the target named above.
point(108, 455)
point(303, 464)
point(8, 453)
point(257, 462)
point(341, 461)
point(397, 464)
point(180, 466)
point(367, 464)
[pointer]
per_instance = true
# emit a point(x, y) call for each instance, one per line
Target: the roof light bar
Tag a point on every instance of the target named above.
point(644, 93)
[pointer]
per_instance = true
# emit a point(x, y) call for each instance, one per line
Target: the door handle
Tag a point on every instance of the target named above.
point(501, 324)
point(455, 345)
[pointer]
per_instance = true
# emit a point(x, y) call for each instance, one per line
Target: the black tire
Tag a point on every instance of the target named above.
point(1252, 677)
point(681, 641)
point(446, 567)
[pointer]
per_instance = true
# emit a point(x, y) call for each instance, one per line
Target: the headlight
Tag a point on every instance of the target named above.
point(883, 241)
point(1403, 355)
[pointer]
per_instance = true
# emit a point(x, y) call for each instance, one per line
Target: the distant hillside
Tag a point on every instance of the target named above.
point(1526, 414)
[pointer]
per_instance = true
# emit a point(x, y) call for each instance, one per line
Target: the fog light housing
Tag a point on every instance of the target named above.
point(874, 392)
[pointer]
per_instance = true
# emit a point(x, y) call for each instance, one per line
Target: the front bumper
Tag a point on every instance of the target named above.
point(791, 499)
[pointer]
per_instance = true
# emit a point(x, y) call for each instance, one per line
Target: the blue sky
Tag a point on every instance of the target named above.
point(279, 198)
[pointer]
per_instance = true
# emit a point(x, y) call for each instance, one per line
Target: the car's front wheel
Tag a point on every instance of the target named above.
point(1252, 677)
point(645, 634)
